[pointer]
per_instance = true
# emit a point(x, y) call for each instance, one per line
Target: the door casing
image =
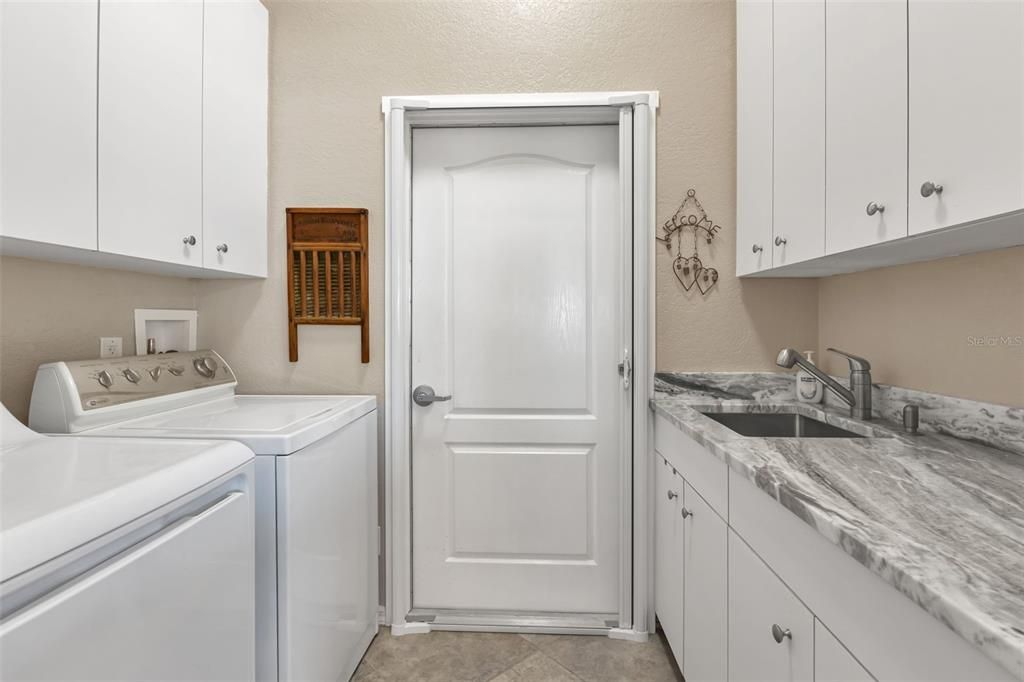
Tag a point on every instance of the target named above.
point(634, 113)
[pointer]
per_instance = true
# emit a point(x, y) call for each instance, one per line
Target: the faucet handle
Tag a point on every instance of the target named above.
point(857, 363)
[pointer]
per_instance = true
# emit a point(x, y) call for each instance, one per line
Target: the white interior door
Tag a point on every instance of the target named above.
point(518, 293)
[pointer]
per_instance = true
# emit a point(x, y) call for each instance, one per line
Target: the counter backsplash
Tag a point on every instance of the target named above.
point(997, 426)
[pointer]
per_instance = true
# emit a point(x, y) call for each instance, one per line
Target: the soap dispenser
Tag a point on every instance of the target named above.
point(808, 388)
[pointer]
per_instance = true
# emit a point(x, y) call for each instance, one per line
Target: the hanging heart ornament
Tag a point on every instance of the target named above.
point(688, 270)
point(706, 279)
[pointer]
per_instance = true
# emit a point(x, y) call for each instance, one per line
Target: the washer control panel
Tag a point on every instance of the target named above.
point(113, 381)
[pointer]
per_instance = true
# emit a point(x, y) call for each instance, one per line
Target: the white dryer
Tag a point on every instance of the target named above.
point(317, 538)
point(124, 559)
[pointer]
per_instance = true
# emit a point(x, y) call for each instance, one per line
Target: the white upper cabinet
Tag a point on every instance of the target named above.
point(48, 122)
point(866, 123)
point(862, 123)
point(966, 115)
point(799, 131)
point(150, 130)
point(753, 135)
point(235, 136)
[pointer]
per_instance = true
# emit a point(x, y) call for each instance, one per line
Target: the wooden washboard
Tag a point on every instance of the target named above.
point(327, 271)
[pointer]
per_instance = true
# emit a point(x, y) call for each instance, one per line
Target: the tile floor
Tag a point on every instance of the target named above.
point(464, 656)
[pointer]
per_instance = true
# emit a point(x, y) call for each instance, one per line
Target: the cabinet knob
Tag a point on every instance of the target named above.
point(190, 240)
point(757, 248)
point(929, 188)
point(779, 634)
point(223, 248)
point(874, 208)
point(779, 241)
point(686, 513)
point(672, 494)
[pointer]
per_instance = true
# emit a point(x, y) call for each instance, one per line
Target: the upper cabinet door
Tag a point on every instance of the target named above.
point(753, 136)
point(150, 129)
point(48, 122)
point(966, 115)
point(866, 122)
point(235, 136)
point(799, 131)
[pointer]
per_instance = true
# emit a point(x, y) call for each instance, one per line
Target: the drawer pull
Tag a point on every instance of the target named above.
point(686, 513)
point(672, 494)
point(779, 634)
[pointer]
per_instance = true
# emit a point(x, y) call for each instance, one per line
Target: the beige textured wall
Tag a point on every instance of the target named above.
point(332, 61)
point(952, 326)
point(54, 311)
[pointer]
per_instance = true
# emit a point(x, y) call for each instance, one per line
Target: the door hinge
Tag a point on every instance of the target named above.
point(626, 370)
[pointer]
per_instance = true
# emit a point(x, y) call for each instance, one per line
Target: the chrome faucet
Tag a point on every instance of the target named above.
point(858, 396)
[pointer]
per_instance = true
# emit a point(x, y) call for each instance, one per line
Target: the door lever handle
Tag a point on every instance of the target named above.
point(424, 395)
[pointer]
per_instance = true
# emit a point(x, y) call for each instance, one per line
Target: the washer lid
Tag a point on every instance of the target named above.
point(269, 425)
point(60, 492)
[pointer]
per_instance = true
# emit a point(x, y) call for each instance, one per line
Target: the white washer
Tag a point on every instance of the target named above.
point(125, 559)
point(317, 539)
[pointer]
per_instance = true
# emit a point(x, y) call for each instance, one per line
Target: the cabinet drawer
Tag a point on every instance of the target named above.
point(771, 634)
point(706, 473)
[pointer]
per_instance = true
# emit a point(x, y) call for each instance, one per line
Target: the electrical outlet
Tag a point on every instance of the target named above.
point(111, 347)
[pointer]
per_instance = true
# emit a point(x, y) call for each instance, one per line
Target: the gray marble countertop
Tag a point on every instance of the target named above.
point(939, 518)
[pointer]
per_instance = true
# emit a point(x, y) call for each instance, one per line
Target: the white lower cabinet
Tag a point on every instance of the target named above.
point(745, 590)
point(668, 561)
point(705, 593)
point(832, 661)
point(771, 633)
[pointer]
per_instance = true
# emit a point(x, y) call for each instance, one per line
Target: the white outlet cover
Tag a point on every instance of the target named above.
point(111, 346)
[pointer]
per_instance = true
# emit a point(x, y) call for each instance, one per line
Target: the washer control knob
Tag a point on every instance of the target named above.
point(106, 381)
point(205, 366)
point(131, 375)
point(176, 370)
point(155, 372)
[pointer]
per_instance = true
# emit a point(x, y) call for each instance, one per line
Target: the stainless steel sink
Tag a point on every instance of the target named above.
point(779, 425)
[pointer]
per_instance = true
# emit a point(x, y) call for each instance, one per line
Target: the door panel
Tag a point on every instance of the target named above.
point(150, 130)
point(668, 555)
point(517, 304)
point(966, 115)
point(235, 136)
point(832, 661)
point(757, 601)
point(798, 147)
point(866, 122)
point(753, 136)
point(48, 119)
point(706, 595)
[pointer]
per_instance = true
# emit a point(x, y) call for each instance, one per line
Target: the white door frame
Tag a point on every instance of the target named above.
point(635, 114)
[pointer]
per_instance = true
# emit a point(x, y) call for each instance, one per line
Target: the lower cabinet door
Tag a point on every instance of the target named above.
point(771, 634)
point(832, 661)
point(668, 563)
point(705, 542)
